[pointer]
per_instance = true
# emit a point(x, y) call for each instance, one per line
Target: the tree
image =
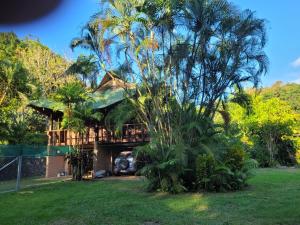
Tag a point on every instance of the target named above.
point(28, 70)
point(87, 69)
point(78, 113)
point(185, 57)
point(47, 70)
point(285, 92)
point(269, 127)
point(13, 76)
point(14, 90)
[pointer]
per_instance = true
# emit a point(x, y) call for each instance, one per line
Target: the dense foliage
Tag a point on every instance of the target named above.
point(185, 57)
point(78, 112)
point(189, 61)
point(28, 70)
point(47, 70)
point(267, 130)
point(289, 93)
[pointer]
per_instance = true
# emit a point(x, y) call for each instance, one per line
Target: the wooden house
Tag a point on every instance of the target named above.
point(99, 138)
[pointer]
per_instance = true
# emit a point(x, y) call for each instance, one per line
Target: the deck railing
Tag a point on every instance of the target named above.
point(130, 133)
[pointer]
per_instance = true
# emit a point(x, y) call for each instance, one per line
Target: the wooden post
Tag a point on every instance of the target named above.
point(51, 122)
point(95, 151)
point(19, 172)
point(59, 141)
point(58, 128)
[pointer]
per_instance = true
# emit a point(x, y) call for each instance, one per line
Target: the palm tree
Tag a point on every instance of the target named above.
point(186, 56)
point(78, 113)
point(87, 69)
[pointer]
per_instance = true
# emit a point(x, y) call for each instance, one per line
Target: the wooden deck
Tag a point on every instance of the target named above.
point(130, 133)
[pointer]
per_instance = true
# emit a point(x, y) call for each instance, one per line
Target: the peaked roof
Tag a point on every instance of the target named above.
point(110, 91)
point(111, 81)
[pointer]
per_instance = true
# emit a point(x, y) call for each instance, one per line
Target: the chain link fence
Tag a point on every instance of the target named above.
point(23, 166)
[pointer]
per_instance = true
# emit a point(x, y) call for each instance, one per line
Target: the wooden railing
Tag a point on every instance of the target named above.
point(130, 133)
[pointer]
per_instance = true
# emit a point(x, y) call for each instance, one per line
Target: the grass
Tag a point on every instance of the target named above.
point(273, 197)
point(10, 185)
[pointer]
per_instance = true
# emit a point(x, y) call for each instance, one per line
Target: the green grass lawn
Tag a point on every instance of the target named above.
point(10, 185)
point(273, 197)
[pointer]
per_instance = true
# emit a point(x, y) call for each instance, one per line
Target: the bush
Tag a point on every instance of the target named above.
point(163, 170)
point(228, 176)
point(205, 168)
point(285, 153)
point(235, 158)
point(260, 153)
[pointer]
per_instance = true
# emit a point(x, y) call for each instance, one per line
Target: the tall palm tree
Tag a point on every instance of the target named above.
point(86, 68)
point(186, 56)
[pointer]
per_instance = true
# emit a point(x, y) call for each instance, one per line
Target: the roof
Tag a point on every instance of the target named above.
point(110, 91)
point(105, 98)
point(111, 81)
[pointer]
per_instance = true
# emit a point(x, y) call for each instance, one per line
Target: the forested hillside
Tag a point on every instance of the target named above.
point(269, 122)
point(28, 70)
point(286, 92)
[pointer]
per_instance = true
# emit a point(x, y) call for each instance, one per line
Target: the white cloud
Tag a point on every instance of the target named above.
point(296, 63)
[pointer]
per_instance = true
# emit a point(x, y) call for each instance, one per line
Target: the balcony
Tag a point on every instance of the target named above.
point(130, 133)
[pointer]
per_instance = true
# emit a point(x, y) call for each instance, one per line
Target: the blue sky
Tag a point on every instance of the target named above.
point(58, 28)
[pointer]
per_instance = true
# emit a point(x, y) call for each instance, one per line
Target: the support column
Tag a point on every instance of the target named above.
point(95, 150)
point(55, 165)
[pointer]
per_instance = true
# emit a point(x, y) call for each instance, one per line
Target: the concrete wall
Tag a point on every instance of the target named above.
point(105, 155)
point(103, 160)
point(55, 165)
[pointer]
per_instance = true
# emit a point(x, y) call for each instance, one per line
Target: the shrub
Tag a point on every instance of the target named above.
point(205, 168)
point(235, 158)
point(213, 175)
point(260, 153)
point(284, 154)
point(163, 170)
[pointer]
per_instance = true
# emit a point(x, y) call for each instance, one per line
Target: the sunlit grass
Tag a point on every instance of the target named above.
point(273, 197)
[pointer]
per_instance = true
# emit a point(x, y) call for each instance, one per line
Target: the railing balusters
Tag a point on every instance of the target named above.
point(130, 133)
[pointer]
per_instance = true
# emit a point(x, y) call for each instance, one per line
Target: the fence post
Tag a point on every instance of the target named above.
point(19, 172)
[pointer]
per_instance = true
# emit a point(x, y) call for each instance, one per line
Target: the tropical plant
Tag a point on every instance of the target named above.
point(13, 76)
point(78, 114)
point(87, 69)
point(47, 70)
point(185, 56)
point(269, 128)
point(231, 173)
point(28, 70)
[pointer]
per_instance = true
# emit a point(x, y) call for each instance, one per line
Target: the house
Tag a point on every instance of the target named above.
point(99, 139)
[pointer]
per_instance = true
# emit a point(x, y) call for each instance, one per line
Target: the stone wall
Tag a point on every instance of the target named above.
point(31, 167)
